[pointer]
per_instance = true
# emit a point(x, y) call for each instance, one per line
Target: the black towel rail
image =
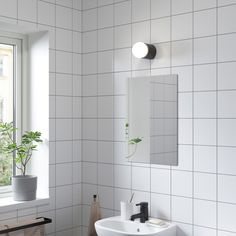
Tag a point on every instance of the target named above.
point(9, 229)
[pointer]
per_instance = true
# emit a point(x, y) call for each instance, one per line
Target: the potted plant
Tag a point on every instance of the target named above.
point(24, 186)
point(132, 142)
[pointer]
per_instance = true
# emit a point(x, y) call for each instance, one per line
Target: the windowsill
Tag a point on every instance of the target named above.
point(8, 204)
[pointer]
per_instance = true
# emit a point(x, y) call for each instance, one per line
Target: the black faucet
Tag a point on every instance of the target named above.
point(143, 215)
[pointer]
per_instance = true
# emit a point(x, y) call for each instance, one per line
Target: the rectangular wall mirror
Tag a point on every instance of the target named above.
point(152, 123)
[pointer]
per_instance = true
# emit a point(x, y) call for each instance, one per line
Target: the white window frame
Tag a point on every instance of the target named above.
point(19, 43)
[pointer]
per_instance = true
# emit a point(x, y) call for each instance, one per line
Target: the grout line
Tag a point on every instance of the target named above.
point(217, 115)
point(150, 73)
point(72, 113)
point(113, 89)
point(82, 105)
point(193, 77)
point(55, 133)
point(171, 45)
point(97, 104)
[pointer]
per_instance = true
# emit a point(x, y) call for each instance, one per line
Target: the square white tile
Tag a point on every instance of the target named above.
point(89, 20)
point(64, 85)
point(9, 8)
point(63, 151)
point(185, 131)
point(64, 62)
point(160, 206)
point(158, 186)
point(89, 129)
point(105, 129)
point(205, 131)
point(226, 17)
point(226, 49)
point(63, 174)
point(106, 196)
point(64, 129)
point(226, 189)
point(89, 150)
point(63, 17)
point(105, 84)
point(46, 13)
point(89, 173)
point(205, 50)
point(105, 152)
point(205, 23)
point(226, 216)
point(105, 16)
point(105, 107)
point(225, 106)
point(122, 60)
point(27, 10)
point(141, 178)
point(122, 36)
point(64, 196)
point(226, 72)
point(185, 105)
point(205, 186)
point(160, 8)
point(64, 107)
point(105, 62)
point(105, 39)
point(64, 218)
point(160, 30)
point(204, 4)
point(180, 213)
point(125, 17)
point(205, 159)
point(140, 10)
point(105, 174)
point(89, 41)
point(226, 160)
point(89, 63)
point(122, 176)
point(182, 53)
point(205, 105)
point(205, 77)
point(226, 132)
point(181, 6)
point(89, 107)
point(182, 26)
point(64, 40)
point(181, 183)
point(89, 85)
point(162, 59)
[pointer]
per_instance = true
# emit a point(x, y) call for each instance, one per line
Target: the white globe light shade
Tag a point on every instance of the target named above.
point(140, 50)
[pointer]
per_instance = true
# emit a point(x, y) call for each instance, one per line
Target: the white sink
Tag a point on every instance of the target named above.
point(114, 226)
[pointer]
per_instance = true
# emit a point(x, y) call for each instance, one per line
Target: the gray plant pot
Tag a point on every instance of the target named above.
point(24, 187)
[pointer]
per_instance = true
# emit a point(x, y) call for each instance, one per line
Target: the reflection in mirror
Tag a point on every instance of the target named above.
point(153, 118)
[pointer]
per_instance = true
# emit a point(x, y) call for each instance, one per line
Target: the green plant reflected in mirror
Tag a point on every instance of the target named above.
point(152, 123)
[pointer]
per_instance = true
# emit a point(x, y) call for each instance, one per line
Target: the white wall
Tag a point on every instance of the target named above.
point(196, 40)
point(62, 18)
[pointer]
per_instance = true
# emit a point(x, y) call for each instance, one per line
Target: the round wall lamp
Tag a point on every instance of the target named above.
point(144, 50)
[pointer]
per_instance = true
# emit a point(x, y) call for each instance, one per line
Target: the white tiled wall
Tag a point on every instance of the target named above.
point(62, 18)
point(196, 40)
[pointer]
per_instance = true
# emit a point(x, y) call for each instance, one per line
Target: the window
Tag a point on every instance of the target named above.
point(10, 99)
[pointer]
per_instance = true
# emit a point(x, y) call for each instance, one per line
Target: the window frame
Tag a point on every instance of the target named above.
point(19, 42)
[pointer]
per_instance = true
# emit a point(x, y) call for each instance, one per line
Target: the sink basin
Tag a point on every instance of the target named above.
point(114, 226)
